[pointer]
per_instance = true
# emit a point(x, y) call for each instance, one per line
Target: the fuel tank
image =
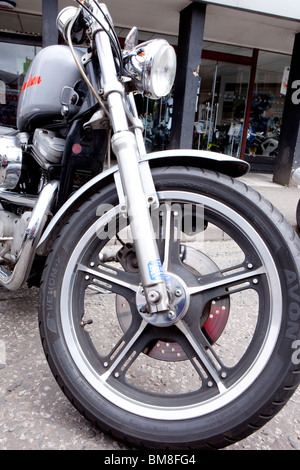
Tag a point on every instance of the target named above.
point(52, 69)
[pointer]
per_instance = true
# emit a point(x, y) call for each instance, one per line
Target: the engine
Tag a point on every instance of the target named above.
point(45, 150)
point(10, 161)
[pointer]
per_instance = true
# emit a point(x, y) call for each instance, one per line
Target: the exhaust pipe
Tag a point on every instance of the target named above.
point(14, 279)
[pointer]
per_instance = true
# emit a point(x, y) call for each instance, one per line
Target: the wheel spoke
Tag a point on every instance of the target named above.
point(234, 281)
point(123, 349)
point(200, 347)
point(113, 279)
point(171, 231)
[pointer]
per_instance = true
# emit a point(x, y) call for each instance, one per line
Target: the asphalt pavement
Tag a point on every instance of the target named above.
point(34, 413)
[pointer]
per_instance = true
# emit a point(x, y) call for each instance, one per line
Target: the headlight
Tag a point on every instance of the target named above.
point(63, 21)
point(152, 65)
point(64, 18)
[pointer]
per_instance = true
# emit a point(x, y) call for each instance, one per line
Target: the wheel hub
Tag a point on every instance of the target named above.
point(179, 303)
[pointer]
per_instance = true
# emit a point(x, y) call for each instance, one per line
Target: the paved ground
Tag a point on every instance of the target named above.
point(34, 414)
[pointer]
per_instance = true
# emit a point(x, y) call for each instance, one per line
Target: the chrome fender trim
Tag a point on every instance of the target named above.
point(225, 164)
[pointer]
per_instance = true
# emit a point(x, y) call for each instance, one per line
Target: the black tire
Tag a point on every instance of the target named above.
point(221, 381)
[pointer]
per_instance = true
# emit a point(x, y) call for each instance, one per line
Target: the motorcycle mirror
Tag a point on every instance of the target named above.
point(131, 40)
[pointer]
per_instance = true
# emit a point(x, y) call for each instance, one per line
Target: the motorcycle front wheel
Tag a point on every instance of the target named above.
point(215, 368)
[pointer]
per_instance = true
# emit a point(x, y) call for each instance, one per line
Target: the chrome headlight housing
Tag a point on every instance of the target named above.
point(63, 21)
point(152, 66)
point(64, 18)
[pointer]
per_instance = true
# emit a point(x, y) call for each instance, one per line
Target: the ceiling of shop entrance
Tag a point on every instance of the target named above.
point(223, 25)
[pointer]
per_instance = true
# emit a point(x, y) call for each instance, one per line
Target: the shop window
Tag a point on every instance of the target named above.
point(14, 62)
point(219, 111)
point(221, 106)
point(157, 120)
point(267, 104)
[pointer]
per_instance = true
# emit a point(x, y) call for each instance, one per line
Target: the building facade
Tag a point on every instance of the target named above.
point(237, 87)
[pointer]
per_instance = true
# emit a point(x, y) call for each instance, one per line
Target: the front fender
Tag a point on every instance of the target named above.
point(225, 164)
point(202, 159)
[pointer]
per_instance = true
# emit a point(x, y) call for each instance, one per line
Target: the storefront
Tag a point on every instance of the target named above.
point(237, 106)
point(221, 103)
point(223, 97)
point(227, 92)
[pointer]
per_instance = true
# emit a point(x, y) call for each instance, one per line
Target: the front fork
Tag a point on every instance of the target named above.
point(138, 190)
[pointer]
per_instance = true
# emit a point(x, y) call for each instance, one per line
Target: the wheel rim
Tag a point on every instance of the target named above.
point(218, 380)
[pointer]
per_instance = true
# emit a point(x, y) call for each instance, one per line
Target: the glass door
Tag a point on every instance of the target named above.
point(221, 106)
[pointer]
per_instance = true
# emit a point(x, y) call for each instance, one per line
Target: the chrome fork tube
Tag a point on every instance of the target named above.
point(124, 146)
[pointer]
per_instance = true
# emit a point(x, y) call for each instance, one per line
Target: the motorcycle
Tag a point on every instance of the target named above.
point(168, 290)
point(260, 144)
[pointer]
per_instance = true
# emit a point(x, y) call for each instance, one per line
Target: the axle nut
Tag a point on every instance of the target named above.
point(154, 296)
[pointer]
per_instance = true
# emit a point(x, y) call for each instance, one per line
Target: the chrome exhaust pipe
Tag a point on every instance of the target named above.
point(14, 279)
point(18, 199)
